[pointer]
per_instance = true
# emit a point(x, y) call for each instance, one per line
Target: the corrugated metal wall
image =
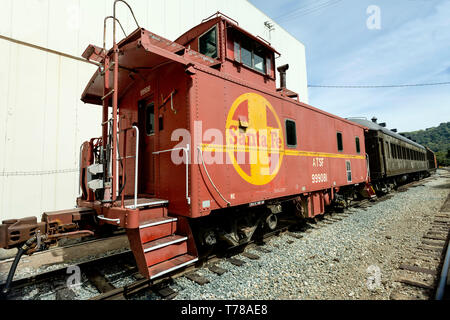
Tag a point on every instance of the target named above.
point(43, 122)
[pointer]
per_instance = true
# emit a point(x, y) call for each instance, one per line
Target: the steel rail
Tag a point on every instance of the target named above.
point(45, 276)
point(443, 281)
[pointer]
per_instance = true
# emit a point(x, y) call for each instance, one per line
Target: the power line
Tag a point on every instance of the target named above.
point(295, 11)
point(305, 10)
point(378, 86)
point(325, 5)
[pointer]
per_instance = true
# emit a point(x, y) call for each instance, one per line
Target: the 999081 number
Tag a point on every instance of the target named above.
point(319, 178)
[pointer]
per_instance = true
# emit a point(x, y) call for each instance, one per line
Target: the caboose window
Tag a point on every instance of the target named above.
point(246, 52)
point(208, 43)
point(150, 119)
point(358, 147)
point(340, 145)
point(237, 51)
point(259, 61)
point(291, 134)
point(348, 165)
point(250, 53)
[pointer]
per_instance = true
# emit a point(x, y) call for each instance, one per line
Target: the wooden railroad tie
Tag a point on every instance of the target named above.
point(295, 235)
point(425, 247)
point(217, 270)
point(414, 283)
point(251, 256)
point(435, 237)
point(262, 249)
point(417, 269)
point(201, 280)
point(167, 293)
point(439, 244)
point(236, 262)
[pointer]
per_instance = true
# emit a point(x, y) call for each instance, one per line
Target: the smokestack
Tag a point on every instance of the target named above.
point(383, 124)
point(282, 70)
point(394, 130)
point(374, 120)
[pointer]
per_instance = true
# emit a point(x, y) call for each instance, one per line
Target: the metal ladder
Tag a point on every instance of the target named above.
point(112, 94)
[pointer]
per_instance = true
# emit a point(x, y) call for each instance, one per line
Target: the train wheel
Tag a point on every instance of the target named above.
point(271, 222)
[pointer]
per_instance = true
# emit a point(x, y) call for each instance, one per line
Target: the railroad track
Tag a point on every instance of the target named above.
point(164, 291)
point(104, 284)
point(425, 274)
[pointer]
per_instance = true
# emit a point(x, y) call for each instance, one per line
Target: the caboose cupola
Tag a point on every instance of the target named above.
point(240, 53)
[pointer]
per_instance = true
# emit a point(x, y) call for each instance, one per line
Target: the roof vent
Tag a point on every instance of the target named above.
point(383, 124)
point(374, 120)
point(394, 130)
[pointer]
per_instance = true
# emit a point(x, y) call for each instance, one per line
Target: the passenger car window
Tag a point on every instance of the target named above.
point(208, 43)
point(291, 134)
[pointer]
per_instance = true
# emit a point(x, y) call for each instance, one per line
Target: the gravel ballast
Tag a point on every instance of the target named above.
point(343, 260)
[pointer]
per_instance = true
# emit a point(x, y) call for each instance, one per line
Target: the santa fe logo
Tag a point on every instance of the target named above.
point(254, 139)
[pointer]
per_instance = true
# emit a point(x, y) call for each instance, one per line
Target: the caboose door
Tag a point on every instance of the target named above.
point(146, 123)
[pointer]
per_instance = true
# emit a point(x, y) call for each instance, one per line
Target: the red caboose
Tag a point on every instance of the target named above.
point(196, 134)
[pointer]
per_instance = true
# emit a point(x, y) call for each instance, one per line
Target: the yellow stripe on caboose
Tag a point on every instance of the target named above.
point(239, 148)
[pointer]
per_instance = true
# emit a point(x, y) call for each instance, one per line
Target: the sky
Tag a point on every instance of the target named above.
point(407, 43)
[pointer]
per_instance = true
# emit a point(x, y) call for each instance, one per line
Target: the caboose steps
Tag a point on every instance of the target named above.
point(163, 242)
point(157, 228)
point(171, 265)
point(160, 244)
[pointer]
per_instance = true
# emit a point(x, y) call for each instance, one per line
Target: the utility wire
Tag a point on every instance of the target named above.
point(306, 10)
point(378, 86)
point(284, 15)
point(325, 5)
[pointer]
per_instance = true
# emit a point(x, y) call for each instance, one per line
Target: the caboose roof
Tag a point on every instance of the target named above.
point(208, 23)
point(140, 53)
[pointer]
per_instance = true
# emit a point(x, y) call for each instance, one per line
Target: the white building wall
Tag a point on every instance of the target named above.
point(42, 120)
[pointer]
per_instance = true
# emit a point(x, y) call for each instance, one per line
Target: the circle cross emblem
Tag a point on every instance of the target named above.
point(254, 136)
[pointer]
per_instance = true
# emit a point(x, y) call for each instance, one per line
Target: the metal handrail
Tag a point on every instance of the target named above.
point(185, 150)
point(79, 172)
point(104, 30)
point(102, 217)
point(136, 166)
point(209, 177)
point(218, 13)
point(114, 17)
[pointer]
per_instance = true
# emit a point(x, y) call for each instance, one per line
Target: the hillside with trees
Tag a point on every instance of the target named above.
point(437, 139)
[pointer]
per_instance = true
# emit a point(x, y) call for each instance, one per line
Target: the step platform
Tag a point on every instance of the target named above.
point(161, 243)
